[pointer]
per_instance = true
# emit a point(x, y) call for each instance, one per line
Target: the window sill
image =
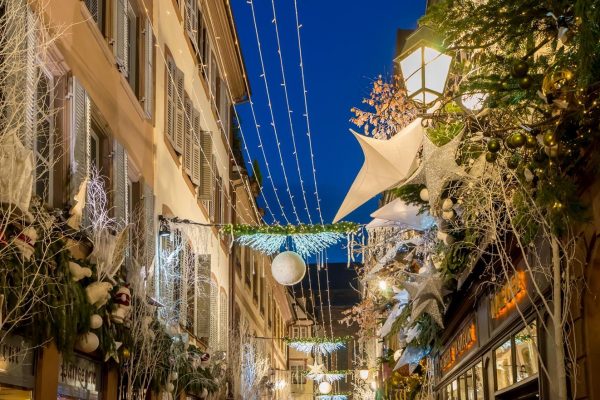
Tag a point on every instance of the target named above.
point(95, 29)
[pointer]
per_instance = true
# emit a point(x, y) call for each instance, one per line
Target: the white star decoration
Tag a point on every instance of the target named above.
point(316, 368)
point(426, 294)
point(438, 167)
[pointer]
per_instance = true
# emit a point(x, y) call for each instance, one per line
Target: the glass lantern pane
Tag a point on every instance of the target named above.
point(503, 367)
point(437, 66)
point(526, 349)
point(429, 97)
point(411, 72)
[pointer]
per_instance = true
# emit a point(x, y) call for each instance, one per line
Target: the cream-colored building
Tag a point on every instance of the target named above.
point(302, 327)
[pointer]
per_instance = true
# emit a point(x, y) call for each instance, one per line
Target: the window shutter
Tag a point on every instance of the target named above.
point(203, 310)
point(206, 182)
point(196, 154)
point(214, 74)
point(32, 74)
point(119, 183)
point(120, 47)
point(223, 321)
point(96, 9)
point(213, 339)
point(150, 240)
point(149, 69)
point(80, 136)
point(171, 96)
point(224, 106)
point(179, 107)
point(187, 137)
point(191, 21)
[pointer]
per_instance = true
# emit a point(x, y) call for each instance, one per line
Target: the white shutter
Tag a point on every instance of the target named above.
point(149, 69)
point(32, 75)
point(187, 136)
point(119, 183)
point(80, 136)
point(179, 108)
point(171, 98)
point(120, 31)
point(196, 153)
point(206, 180)
point(214, 74)
point(213, 339)
point(203, 310)
point(223, 321)
point(149, 221)
point(224, 106)
point(191, 21)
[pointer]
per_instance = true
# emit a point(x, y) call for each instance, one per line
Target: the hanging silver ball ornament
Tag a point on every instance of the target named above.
point(448, 215)
point(447, 204)
point(424, 194)
point(288, 268)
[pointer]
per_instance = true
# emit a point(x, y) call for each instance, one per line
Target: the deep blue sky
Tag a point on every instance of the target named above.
point(345, 44)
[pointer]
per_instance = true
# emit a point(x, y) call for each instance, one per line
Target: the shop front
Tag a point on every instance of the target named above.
point(79, 379)
point(16, 368)
point(493, 349)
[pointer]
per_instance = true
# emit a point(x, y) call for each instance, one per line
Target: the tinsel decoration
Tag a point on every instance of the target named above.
point(334, 396)
point(305, 239)
point(328, 376)
point(317, 344)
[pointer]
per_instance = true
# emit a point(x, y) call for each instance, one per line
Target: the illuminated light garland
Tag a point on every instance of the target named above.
point(334, 396)
point(318, 344)
point(305, 239)
point(329, 376)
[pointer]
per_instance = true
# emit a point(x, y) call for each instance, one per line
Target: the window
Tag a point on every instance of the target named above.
point(516, 359)
point(44, 135)
point(261, 296)
point(191, 21)
point(203, 310)
point(467, 386)
point(203, 42)
point(298, 374)
point(175, 95)
point(125, 41)
point(213, 339)
point(255, 279)
point(248, 261)
point(223, 320)
point(96, 9)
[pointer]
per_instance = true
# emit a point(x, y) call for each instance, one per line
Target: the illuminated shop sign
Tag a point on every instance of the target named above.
point(463, 342)
point(16, 361)
point(79, 377)
point(509, 294)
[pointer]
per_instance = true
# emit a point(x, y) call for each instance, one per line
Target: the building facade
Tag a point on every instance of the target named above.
point(141, 94)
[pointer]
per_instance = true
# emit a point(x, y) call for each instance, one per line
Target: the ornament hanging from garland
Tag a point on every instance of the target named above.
point(305, 239)
point(318, 344)
point(288, 268)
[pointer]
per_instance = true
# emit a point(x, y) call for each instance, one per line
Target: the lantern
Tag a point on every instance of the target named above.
point(424, 66)
point(288, 268)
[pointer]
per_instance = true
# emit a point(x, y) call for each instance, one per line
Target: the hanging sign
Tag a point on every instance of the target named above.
point(16, 361)
point(458, 347)
point(508, 295)
point(79, 378)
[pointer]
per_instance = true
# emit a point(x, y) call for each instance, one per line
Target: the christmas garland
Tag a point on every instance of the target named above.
point(290, 230)
point(333, 396)
point(320, 345)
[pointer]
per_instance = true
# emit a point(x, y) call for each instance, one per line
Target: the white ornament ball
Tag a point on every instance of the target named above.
point(288, 268)
point(448, 215)
point(325, 387)
point(169, 387)
point(95, 321)
point(424, 194)
point(88, 342)
point(173, 376)
point(447, 204)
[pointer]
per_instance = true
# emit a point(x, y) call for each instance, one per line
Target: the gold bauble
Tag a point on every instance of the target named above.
point(554, 83)
point(125, 353)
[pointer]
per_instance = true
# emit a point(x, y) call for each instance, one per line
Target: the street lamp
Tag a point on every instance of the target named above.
point(424, 66)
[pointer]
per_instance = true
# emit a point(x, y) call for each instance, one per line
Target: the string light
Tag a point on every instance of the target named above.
point(328, 376)
point(289, 111)
point(273, 125)
point(319, 346)
point(332, 397)
point(305, 244)
point(306, 115)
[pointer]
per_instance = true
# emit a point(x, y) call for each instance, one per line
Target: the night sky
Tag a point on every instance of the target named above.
point(345, 44)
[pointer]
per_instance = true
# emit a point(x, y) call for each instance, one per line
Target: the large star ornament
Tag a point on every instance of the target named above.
point(438, 167)
point(387, 163)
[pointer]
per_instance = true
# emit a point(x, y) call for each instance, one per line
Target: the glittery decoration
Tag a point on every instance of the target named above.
point(438, 167)
point(426, 293)
point(332, 376)
point(411, 356)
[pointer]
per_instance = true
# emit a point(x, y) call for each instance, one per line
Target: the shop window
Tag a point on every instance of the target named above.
point(504, 367)
point(298, 376)
point(526, 352)
point(468, 386)
point(516, 359)
point(478, 375)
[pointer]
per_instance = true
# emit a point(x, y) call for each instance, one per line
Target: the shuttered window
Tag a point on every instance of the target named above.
point(214, 76)
point(96, 9)
point(203, 308)
point(189, 261)
point(80, 136)
point(213, 339)
point(206, 174)
point(188, 126)
point(191, 21)
point(120, 33)
point(196, 153)
point(223, 321)
point(203, 42)
point(42, 113)
point(175, 104)
point(119, 179)
point(148, 99)
point(149, 226)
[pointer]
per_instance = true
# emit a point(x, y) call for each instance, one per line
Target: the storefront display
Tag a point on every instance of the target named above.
point(79, 379)
point(16, 368)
